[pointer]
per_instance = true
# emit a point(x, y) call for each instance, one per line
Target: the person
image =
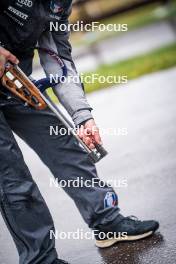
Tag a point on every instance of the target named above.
point(23, 24)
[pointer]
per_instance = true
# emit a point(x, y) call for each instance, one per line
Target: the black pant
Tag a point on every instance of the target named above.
point(22, 205)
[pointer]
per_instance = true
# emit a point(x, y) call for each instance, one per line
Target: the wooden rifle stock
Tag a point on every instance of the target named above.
point(21, 86)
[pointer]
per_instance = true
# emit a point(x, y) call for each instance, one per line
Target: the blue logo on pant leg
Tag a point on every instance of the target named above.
point(110, 200)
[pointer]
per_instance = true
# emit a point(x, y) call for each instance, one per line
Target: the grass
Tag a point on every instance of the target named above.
point(156, 60)
point(135, 19)
point(144, 15)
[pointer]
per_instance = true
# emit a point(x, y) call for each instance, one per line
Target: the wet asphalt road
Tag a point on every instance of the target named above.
point(145, 157)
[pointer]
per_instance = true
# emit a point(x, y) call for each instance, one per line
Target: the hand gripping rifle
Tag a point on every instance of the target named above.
point(33, 93)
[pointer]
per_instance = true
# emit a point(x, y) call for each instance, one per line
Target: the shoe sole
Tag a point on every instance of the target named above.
point(109, 242)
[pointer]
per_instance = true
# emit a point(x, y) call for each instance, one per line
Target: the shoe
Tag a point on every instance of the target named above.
point(128, 229)
point(59, 261)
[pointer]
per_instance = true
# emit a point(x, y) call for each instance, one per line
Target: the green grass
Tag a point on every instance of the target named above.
point(144, 15)
point(135, 19)
point(156, 60)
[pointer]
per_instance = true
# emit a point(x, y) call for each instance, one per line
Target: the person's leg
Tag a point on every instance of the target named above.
point(21, 204)
point(67, 161)
point(62, 154)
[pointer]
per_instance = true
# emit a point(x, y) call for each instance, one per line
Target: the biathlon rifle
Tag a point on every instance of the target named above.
point(33, 93)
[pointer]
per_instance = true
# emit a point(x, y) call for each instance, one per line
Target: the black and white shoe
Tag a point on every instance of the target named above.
point(128, 229)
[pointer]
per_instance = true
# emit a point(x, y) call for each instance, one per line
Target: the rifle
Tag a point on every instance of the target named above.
point(33, 93)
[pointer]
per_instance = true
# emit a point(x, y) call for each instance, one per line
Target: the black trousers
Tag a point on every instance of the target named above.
point(22, 205)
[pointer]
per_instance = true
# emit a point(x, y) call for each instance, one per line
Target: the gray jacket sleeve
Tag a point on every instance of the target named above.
point(70, 93)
